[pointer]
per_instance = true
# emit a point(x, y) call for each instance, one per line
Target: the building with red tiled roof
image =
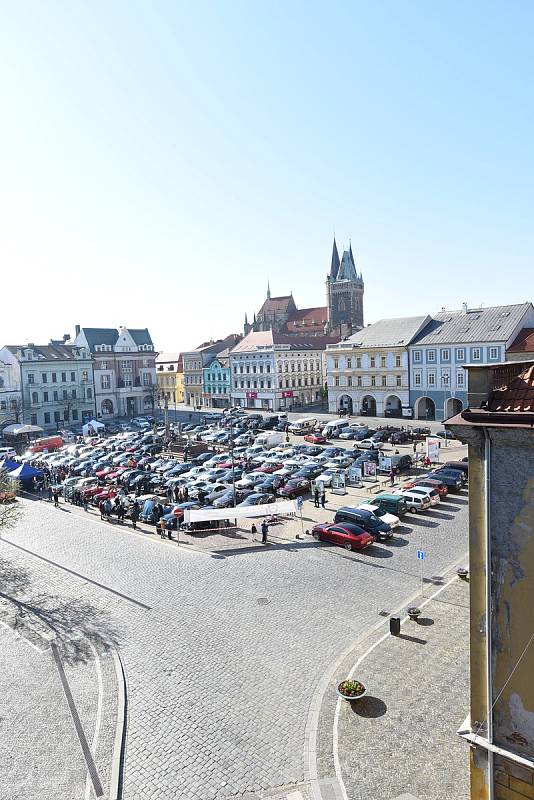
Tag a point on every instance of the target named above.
point(342, 315)
point(522, 347)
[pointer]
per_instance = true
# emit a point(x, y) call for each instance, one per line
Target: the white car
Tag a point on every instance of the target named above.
point(369, 444)
point(7, 452)
point(427, 491)
point(390, 519)
point(326, 476)
point(252, 479)
point(415, 501)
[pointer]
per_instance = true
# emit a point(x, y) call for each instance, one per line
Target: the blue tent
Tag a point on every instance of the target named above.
point(25, 474)
point(8, 465)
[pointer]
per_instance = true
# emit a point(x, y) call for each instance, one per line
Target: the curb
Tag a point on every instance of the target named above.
point(115, 783)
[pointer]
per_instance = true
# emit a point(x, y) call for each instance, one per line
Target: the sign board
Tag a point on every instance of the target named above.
point(420, 555)
point(178, 512)
point(432, 449)
point(384, 462)
point(354, 476)
point(369, 471)
point(300, 502)
point(287, 394)
point(407, 411)
point(251, 395)
point(339, 483)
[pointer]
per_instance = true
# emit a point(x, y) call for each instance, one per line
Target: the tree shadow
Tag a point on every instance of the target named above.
point(369, 707)
point(76, 623)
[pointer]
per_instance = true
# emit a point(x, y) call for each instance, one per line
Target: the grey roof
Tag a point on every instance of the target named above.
point(495, 324)
point(334, 267)
point(140, 336)
point(96, 336)
point(347, 270)
point(397, 332)
point(46, 352)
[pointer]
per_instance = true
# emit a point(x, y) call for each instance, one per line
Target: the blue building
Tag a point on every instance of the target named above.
point(217, 382)
point(452, 339)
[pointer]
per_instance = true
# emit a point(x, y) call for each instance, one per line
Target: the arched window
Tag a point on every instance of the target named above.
point(35, 397)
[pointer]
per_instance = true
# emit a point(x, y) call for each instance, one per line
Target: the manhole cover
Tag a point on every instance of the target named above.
point(383, 613)
point(262, 601)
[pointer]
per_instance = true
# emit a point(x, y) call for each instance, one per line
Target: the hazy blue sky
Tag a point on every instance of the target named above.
point(159, 161)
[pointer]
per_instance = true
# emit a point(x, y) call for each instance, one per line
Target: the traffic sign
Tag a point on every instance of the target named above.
point(178, 512)
point(420, 555)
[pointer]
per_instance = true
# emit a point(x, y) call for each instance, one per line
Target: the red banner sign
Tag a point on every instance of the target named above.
point(251, 395)
point(287, 394)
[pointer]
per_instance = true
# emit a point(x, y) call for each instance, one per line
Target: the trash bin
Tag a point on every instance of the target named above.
point(394, 626)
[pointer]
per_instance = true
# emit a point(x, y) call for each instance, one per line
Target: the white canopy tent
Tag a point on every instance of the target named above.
point(92, 427)
point(17, 428)
point(268, 510)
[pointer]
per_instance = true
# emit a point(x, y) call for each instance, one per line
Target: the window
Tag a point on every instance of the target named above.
point(384, 380)
point(66, 415)
point(431, 378)
point(359, 380)
point(398, 380)
point(373, 361)
point(72, 377)
point(358, 363)
point(445, 378)
point(44, 377)
point(349, 363)
point(33, 419)
point(349, 380)
point(65, 395)
point(56, 397)
point(126, 365)
point(417, 356)
point(54, 377)
point(45, 397)
point(268, 384)
point(336, 363)
point(398, 361)
point(31, 378)
point(35, 397)
point(460, 354)
point(3, 405)
point(336, 381)
point(373, 380)
point(104, 365)
point(382, 361)
point(431, 355)
point(47, 417)
point(105, 382)
point(460, 379)
point(417, 379)
point(73, 394)
point(445, 355)
point(63, 377)
point(476, 353)
point(75, 413)
point(147, 379)
point(494, 352)
point(57, 416)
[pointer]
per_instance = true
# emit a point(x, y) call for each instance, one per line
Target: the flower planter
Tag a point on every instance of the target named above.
point(414, 613)
point(349, 697)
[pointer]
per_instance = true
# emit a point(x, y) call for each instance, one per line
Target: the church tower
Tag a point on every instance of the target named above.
point(344, 295)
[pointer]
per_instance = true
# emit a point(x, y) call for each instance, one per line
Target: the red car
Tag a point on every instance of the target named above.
point(428, 483)
point(346, 535)
point(268, 468)
point(294, 487)
point(104, 494)
point(315, 438)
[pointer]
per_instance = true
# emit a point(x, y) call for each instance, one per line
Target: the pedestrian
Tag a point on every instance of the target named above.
point(186, 494)
point(253, 531)
point(56, 498)
point(264, 531)
point(391, 477)
point(85, 503)
point(323, 499)
point(177, 494)
point(161, 526)
point(415, 447)
point(107, 509)
point(396, 452)
point(316, 498)
point(134, 514)
point(50, 492)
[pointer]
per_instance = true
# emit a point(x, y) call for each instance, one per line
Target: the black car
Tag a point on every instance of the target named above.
point(450, 478)
point(445, 434)
point(399, 437)
point(369, 455)
point(270, 484)
point(366, 520)
point(308, 472)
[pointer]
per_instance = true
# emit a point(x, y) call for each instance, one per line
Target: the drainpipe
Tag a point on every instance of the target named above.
point(489, 681)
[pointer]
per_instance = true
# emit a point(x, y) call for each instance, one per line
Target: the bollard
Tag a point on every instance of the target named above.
point(394, 626)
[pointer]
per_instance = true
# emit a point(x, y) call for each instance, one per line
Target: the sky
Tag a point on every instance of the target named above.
point(160, 162)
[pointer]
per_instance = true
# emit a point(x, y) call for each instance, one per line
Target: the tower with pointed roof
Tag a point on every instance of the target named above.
point(344, 294)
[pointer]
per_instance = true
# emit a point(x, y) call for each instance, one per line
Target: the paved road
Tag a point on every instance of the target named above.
point(221, 654)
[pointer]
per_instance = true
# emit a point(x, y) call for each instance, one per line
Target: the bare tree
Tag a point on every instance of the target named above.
point(10, 509)
point(151, 394)
point(69, 402)
point(16, 408)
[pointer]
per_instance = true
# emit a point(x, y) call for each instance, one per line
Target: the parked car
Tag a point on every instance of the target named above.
point(384, 515)
point(429, 483)
point(315, 438)
point(445, 434)
point(463, 466)
point(426, 491)
point(366, 520)
point(421, 433)
point(294, 488)
point(452, 477)
point(257, 499)
point(391, 503)
point(399, 437)
point(346, 535)
point(414, 502)
point(227, 500)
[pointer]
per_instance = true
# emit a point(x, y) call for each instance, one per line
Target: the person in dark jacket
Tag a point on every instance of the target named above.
point(264, 531)
point(134, 513)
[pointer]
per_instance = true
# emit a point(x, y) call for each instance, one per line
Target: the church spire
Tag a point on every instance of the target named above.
point(351, 255)
point(334, 268)
point(246, 318)
point(268, 291)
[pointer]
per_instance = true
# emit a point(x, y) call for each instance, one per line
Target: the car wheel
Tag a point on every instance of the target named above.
point(413, 510)
point(348, 546)
point(316, 536)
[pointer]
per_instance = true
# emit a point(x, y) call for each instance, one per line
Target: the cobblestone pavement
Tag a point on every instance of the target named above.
point(400, 739)
point(222, 650)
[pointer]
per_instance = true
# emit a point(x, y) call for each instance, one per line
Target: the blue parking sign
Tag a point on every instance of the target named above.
point(420, 555)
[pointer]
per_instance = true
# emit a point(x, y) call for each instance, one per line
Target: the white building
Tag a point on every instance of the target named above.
point(368, 373)
point(274, 371)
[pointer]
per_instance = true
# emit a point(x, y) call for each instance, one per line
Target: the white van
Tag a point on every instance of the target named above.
point(302, 426)
point(333, 428)
point(269, 439)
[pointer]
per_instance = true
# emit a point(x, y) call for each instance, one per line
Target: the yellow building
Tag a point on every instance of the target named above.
point(498, 426)
point(170, 378)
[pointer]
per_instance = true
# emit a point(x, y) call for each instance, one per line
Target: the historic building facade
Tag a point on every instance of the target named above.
point(217, 381)
point(169, 377)
point(342, 315)
point(194, 363)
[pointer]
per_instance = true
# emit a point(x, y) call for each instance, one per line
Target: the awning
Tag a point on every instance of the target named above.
point(92, 427)
point(16, 429)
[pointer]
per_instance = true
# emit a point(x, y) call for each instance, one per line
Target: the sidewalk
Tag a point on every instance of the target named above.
point(400, 739)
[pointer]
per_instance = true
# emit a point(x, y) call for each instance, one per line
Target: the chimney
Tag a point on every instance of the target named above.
point(464, 308)
point(66, 337)
point(77, 329)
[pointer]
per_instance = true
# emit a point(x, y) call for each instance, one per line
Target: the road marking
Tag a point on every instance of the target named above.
point(79, 575)
point(98, 712)
point(93, 774)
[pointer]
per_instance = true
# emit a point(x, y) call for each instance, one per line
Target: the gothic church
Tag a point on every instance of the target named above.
point(342, 315)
